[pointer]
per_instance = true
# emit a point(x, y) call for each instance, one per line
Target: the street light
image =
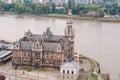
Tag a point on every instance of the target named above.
point(37, 67)
point(16, 66)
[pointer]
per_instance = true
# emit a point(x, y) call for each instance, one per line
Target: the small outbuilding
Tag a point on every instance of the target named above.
point(2, 77)
point(69, 70)
point(4, 56)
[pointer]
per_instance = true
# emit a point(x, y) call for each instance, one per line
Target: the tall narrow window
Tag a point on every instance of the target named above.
point(63, 71)
point(37, 46)
point(72, 72)
point(67, 71)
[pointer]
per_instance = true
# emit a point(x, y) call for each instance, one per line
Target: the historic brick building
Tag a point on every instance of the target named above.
point(45, 50)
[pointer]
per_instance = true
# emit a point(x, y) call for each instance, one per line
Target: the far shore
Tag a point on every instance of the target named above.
point(84, 18)
point(65, 16)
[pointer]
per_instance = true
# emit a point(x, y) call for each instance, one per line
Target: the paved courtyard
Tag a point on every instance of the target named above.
point(11, 74)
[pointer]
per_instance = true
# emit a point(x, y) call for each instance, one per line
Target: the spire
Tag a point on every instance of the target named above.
point(69, 33)
point(48, 33)
point(69, 4)
point(69, 20)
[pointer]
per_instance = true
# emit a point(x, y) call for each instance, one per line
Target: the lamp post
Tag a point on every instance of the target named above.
point(16, 66)
point(37, 68)
point(47, 76)
point(38, 74)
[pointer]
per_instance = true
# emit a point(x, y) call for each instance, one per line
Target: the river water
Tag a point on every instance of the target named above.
point(97, 40)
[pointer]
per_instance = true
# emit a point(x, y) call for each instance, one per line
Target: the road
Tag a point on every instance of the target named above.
point(12, 74)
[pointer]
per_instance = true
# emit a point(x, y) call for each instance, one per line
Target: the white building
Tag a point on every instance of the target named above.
point(87, 1)
point(69, 70)
point(118, 2)
point(83, 1)
point(7, 1)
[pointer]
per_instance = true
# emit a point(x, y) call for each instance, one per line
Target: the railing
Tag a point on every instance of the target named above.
point(16, 76)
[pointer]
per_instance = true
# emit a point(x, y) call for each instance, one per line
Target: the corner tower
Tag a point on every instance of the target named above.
point(69, 33)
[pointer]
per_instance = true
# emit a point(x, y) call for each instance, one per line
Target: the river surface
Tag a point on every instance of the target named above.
point(97, 40)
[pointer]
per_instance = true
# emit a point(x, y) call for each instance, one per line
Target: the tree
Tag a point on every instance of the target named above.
point(5, 6)
point(53, 8)
point(19, 8)
point(28, 10)
point(46, 9)
point(112, 11)
point(38, 9)
point(81, 13)
point(1, 10)
point(32, 6)
point(99, 13)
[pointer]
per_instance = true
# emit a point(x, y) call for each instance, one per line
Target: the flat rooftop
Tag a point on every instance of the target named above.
point(7, 45)
point(4, 53)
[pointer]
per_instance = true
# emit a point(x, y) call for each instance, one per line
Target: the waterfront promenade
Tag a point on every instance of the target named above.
point(22, 74)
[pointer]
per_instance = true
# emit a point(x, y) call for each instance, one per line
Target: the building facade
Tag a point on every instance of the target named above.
point(69, 70)
point(45, 50)
point(118, 3)
point(5, 56)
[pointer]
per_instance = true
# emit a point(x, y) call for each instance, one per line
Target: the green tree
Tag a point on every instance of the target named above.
point(92, 7)
point(46, 9)
point(38, 9)
point(112, 11)
point(5, 6)
point(28, 10)
point(81, 13)
point(19, 8)
point(99, 13)
point(53, 8)
point(1, 10)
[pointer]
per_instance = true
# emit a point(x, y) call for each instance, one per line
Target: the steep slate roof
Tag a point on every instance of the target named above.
point(37, 36)
point(4, 53)
point(47, 46)
point(48, 32)
point(8, 46)
point(56, 37)
point(70, 64)
point(26, 45)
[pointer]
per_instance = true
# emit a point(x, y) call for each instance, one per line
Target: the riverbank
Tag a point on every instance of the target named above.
point(65, 16)
point(109, 19)
point(83, 18)
point(95, 68)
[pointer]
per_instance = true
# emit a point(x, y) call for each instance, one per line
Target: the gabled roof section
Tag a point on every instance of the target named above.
point(70, 64)
point(26, 45)
point(48, 33)
point(48, 46)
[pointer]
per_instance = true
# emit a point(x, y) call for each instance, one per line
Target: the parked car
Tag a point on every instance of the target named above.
point(2, 77)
